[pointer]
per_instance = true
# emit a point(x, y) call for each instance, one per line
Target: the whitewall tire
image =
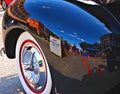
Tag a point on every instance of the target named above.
point(33, 69)
point(4, 5)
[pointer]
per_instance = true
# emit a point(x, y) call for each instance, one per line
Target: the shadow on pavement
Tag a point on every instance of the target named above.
point(11, 85)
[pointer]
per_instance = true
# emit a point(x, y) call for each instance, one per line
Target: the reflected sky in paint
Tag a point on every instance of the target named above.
point(67, 20)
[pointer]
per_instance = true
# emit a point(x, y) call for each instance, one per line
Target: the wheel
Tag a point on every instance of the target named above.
point(33, 69)
point(4, 5)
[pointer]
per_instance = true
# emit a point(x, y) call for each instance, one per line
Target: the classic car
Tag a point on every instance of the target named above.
point(6, 3)
point(50, 41)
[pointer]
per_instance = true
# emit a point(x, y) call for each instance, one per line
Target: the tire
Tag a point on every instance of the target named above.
point(33, 69)
point(4, 5)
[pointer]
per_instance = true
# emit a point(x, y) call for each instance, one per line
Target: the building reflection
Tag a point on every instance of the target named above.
point(94, 50)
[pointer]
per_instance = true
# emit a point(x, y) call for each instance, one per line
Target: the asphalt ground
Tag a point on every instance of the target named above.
point(107, 83)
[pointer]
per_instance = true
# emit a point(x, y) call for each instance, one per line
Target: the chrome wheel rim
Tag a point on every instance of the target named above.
point(33, 66)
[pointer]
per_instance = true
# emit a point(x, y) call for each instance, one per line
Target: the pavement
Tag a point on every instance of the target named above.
point(9, 80)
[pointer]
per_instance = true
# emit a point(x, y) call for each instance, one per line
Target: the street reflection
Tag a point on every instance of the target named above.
point(92, 52)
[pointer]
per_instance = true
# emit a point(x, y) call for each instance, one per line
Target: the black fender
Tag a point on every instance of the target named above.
point(71, 36)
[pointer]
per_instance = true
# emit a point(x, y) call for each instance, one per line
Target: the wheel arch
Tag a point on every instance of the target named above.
point(11, 40)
